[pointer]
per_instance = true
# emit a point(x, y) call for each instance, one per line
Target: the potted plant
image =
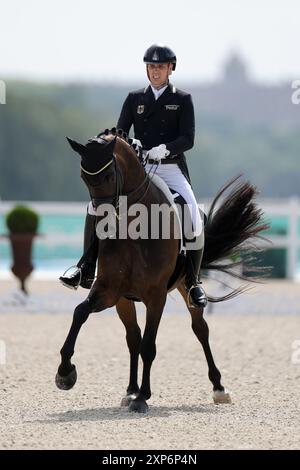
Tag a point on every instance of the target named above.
point(22, 223)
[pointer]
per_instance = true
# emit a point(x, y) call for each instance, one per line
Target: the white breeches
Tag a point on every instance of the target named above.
point(173, 177)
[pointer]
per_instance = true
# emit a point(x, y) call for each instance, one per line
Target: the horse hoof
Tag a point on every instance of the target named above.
point(221, 397)
point(66, 382)
point(128, 399)
point(138, 406)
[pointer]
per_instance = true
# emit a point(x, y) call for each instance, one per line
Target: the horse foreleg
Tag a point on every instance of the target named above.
point(155, 308)
point(201, 330)
point(127, 313)
point(66, 375)
point(99, 299)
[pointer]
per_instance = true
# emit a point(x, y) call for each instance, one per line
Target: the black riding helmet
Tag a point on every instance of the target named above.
point(158, 54)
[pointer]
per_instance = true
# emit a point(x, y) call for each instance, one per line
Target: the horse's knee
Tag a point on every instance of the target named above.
point(82, 311)
point(148, 352)
point(133, 337)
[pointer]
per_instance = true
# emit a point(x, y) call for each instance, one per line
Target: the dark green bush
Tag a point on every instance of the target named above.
point(22, 219)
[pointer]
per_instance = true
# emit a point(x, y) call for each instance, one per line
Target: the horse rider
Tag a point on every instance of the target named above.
point(164, 126)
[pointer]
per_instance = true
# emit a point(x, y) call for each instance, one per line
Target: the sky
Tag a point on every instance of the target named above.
point(102, 41)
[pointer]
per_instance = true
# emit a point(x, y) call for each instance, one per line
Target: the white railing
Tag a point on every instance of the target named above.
point(289, 208)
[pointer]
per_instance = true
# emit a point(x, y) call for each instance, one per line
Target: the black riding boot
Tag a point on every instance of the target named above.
point(84, 275)
point(196, 294)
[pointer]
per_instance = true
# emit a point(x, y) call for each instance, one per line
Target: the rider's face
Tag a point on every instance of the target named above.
point(159, 74)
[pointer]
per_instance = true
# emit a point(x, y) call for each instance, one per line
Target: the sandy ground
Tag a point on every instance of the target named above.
point(257, 354)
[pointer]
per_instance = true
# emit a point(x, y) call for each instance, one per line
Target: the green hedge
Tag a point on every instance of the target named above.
point(22, 219)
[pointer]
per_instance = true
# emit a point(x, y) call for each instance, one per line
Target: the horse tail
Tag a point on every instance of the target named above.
point(236, 221)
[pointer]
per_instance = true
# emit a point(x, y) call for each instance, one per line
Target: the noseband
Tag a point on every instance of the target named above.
point(114, 199)
point(96, 201)
point(96, 172)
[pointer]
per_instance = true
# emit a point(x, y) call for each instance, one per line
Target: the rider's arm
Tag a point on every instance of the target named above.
point(186, 134)
point(126, 117)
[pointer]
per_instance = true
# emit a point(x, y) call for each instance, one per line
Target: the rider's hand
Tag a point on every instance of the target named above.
point(157, 153)
point(136, 144)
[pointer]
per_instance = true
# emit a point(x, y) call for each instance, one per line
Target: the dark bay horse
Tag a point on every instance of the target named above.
point(141, 269)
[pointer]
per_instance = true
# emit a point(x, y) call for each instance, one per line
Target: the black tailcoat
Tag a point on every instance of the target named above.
point(169, 120)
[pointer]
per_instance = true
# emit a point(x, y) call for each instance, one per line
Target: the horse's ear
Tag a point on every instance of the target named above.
point(79, 148)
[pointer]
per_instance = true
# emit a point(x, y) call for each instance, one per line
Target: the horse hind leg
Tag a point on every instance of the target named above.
point(201, 330)
point(155, 307)
point(127, 313)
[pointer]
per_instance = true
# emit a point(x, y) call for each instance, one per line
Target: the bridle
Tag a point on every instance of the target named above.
point(114, 199)
point(96, 172)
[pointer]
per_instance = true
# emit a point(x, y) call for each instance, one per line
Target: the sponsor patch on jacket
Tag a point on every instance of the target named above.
point(172, 107)
point(140, 109)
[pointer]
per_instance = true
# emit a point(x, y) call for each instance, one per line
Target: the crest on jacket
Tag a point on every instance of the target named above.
point(172, 107)
point(140, 109)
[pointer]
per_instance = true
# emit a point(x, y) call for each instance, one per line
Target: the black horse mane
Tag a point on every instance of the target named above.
point(119, 133)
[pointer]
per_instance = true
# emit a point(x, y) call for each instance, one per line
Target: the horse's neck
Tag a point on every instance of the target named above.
point(132, 171)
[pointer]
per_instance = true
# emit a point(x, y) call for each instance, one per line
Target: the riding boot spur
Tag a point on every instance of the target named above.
point(84, 275)
point(196, 294)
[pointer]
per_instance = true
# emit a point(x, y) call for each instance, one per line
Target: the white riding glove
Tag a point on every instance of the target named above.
point(136, 144)
point(157, 153)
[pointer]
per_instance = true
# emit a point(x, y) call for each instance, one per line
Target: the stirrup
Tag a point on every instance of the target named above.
point(80, 277)
point(190, 304)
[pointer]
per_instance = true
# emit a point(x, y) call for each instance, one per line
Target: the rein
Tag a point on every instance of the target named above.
point(114, 200)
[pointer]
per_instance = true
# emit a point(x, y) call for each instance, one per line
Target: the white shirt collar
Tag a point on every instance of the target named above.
point(158, 93)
